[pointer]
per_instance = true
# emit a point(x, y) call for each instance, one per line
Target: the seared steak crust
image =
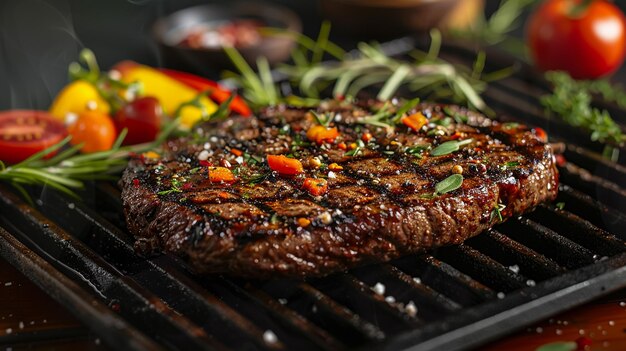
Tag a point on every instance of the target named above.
point(380, 203)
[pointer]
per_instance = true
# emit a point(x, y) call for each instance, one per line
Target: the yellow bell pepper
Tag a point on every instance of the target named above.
point(78, 97)
point(170, 92)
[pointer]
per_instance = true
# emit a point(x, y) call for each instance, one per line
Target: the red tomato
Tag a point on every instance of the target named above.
point(94, 130)
point(142, 118)
point(589, 44)
point(24, 133)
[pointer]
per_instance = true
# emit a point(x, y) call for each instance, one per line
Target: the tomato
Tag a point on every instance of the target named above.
point(142, 119)
point(96, 130)
point(588, 44)
point(24, 133)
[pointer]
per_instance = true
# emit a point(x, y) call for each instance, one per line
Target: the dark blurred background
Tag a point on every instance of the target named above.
point(38, 38)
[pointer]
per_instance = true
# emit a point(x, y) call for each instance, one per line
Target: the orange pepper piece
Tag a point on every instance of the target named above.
point(321, 134)
point(284, 165)
point(316, 187)
point(221, 174)
point(236, 152)
point(415, 121)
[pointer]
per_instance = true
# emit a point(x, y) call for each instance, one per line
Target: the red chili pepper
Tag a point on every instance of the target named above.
point(217, 93)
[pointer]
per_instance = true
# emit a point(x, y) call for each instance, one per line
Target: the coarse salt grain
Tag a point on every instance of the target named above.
point(269, 337)
point(379, 288)
point(203, 155)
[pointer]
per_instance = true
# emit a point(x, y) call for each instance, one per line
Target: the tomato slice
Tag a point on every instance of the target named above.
point(26, 132)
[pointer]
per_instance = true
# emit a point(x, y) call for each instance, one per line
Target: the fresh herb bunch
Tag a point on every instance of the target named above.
point(572, 101)
point(370, 67)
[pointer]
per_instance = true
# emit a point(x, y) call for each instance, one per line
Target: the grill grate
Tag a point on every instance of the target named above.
point(451, 298)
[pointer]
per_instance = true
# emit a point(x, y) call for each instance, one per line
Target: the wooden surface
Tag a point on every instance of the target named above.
point(30, 320)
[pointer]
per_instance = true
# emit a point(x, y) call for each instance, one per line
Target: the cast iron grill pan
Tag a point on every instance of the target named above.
point(459, 297)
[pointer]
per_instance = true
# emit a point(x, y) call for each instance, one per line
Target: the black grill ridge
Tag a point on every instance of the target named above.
point(519, 272)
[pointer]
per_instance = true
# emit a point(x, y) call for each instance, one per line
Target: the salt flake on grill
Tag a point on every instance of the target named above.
point(203, 155)
point(269, 337)
point(379, 288)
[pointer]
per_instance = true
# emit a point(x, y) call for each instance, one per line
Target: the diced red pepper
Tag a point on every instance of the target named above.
point(321, 134)
point(284, 165)
point(221, 174)
point(415, 121)
point(315, 186)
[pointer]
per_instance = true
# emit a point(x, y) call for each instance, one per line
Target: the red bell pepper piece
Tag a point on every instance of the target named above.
point(217, 93)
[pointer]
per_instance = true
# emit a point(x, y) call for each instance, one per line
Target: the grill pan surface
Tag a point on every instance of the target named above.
point(453, 298)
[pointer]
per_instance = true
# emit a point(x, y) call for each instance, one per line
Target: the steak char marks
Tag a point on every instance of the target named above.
point(380, 202)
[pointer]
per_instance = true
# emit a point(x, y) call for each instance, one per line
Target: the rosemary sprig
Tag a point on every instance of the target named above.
point(371, 67)
point(68, 170)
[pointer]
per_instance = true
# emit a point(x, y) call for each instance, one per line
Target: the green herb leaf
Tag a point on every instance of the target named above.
point(558, 346)
point(449, 184)
point(560, 205)
point(417, 149)
point(449, 147)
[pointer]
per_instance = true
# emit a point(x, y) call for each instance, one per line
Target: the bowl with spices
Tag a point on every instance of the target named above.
point(194, 38)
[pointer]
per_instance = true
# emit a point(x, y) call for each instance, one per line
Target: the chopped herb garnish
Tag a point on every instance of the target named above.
point(175, 188)
point(258, 178)
point(449, 147)
point(509, 165)
point(252, 159)
point(458, 118)
point(406, 107)
point(274, 219)
point(560, 205)
point(497, 212)
point(323, 119)
point(354, 152)
point(510, 125)
point(444, 122)
point(449, 184)
point(417, 149)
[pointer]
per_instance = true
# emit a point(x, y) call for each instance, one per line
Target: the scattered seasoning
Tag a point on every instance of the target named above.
point(560, 205)
point(322, 134)
point(497, 212)
point(411, 309)
point(285, 165)
point(449, 147)
point(269, 337)
point(274, 219)
point(379, 288)
point(323, 119)
point(326, 218)
point(417, 149)
point(510, 125)
point(449, 184)
point(303, 222)
point(257, 178)
point(415, 121)
point(559, 346)
point(458, 118)
point(236, 152)
point(366, 137)
point(342, 146)
point(220, 174)
point(175, 188)
point(316, 187)
point(136, 183)
point(335, 167)
point(457, 169)
point(509, 165)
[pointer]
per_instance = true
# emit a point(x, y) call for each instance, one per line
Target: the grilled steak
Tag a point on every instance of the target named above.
point(336, 198)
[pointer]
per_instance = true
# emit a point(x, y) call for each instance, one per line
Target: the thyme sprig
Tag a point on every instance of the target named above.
point(571, 100)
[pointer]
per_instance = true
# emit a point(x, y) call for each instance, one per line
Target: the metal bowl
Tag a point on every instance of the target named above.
point(210, 61)
point(387, 19)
